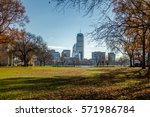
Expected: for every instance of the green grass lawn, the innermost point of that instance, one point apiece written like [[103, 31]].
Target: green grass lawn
[[74, 83]]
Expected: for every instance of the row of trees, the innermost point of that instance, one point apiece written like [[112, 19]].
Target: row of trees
[[27, 48], [128, 28]]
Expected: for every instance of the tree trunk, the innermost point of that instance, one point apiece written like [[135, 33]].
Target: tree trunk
[[25, 61], [143, 57], [9, 59], [40, 62], [44, 62], [131, 65], [12, 63], [148, 60], [133, 59]]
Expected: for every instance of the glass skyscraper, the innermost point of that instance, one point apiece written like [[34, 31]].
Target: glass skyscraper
[[80, 45], [78, 49]]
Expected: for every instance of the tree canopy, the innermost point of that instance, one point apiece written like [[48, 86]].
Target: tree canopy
[[12, 13]]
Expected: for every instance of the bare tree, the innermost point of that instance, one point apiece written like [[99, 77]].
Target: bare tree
[[43, 54], [25, 48], [86, 6]]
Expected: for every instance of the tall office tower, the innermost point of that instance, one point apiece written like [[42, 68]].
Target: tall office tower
[[80, 45]]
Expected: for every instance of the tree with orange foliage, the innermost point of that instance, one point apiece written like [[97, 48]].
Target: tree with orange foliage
[[12, 13], [134, 15], [12, 37]]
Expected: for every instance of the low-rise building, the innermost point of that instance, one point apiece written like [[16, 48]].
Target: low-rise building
[[111, 58], [56, 56], [66, 53], [98, 57]]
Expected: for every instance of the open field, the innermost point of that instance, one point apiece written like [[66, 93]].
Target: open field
[[74, 83]]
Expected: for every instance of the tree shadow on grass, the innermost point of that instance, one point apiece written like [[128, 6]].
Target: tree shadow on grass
[[118, 84]]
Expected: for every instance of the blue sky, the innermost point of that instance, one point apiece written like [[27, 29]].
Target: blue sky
[[59, 28]]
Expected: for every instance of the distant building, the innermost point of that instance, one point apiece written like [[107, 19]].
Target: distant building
[[75, 54], [74, 51], [111, 58], [80, 45], [66, 53], [55, 55], [95, 55], [98, 57], [65, 56], [78, 48], [52, 51]]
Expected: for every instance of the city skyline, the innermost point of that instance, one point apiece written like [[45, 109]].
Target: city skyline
[[59, 28]]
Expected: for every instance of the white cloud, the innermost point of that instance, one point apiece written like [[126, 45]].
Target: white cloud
[[56, 47]]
